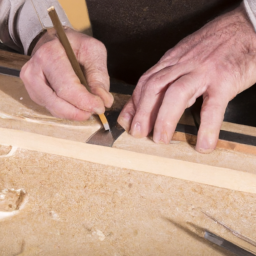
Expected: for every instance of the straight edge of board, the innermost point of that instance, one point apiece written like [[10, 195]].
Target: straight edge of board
[[194, 172]]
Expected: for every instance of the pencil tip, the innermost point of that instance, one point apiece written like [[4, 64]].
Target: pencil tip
[[106, 126]]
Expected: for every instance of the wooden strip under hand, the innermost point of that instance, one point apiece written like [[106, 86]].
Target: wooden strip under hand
[[204, 174], [223, 144], [71, 55]]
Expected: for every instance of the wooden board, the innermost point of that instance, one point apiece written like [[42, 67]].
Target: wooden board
[[17, 111], [76, 207]]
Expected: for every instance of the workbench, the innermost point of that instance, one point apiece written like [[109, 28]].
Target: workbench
[[62, 196]]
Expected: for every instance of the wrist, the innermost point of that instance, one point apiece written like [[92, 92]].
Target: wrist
[[45, 37]]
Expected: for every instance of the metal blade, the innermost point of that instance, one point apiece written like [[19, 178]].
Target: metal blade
[[107, 138], [9, 71], [226, 244]]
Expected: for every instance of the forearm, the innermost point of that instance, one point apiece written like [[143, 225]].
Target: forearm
[[21, 21]]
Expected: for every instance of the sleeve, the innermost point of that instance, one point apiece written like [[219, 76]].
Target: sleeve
[[21, 21], [250, 7]]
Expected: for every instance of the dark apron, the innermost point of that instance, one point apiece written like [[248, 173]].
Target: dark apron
[[138, 32]]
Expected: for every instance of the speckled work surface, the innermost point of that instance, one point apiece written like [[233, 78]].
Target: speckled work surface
[[74, 207], [56, 205]]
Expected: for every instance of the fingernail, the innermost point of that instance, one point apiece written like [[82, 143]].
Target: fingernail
[[136, 130], [157, 137], [161, 138], [206, 144], [98, 111], [125, 121]]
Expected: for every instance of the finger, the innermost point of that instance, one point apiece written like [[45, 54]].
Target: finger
[[40, 92], [148, 98], [170, 58], [176, 100], [156, 82], [63, 80], [95, 69], [161, 65], [212, 115], [126, 116], [97, 84]]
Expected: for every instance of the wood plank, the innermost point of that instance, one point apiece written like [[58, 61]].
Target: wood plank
[[76, 207], [214, 176], [18, 111], [12, 60]]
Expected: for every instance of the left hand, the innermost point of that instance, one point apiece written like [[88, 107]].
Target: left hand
[[218, 62]]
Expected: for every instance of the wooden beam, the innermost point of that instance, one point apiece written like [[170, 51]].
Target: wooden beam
[[210, 175]]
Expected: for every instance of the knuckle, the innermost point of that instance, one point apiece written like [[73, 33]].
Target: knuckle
[[92, 44], [84, 103], [24, 72], [170, 53], [61, 92], [99, 45], [76, 115], [97, 76], [65, 91], [130, 109], [142, 80], [41, 53], [142, 114], [183, 90], [48, 51], [154, 85]]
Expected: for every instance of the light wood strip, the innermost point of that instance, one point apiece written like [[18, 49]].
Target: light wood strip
[[210, 175]]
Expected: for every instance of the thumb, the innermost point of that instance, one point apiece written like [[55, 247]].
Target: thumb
[[98, 82]]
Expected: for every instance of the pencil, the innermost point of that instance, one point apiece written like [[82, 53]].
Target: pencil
[[71, 56]]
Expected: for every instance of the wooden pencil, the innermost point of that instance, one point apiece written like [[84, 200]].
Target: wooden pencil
[[71, 56]]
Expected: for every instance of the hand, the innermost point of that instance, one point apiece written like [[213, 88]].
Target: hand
[[218, 62], [52, 83]]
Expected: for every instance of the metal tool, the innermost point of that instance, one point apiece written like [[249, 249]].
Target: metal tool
[[224, 135], [107, 138], [9, 71], [226, 244], [235, 233]]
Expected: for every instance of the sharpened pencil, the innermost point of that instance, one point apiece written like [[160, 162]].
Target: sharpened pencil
[[71, 56]]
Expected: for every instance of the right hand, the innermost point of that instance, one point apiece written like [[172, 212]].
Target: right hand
[[51, 82]]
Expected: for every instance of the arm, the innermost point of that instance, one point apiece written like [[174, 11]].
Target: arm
[[20, 24], [218, 62]]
